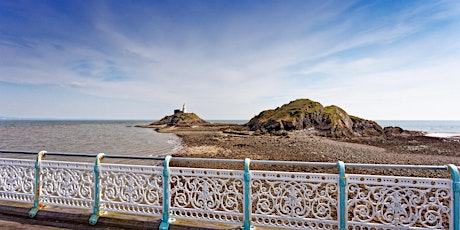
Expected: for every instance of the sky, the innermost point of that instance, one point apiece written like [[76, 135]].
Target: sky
[[94, 59]]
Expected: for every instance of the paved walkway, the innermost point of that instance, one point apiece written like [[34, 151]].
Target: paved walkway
[[15, 216]]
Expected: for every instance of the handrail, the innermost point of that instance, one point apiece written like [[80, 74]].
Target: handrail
[[222, 160], [87, 155], [395, 166], [295, 163], [17, 152], [312, 164], [216, 160]]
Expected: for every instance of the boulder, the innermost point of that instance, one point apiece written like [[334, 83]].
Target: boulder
[[391, 131]]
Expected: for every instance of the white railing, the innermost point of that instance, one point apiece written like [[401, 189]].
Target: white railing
[[207, 194], [131, 189], [399, 201], [17, 178], [294, 200]]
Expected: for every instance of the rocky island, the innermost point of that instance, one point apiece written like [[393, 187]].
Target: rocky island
[[181, 119], [305, 130], [331, 121]]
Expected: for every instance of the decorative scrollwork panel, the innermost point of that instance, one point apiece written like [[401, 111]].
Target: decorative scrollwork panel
[[132, 189], [67, 184], [209, 194], [17, 178], [399, 202], [294, 200]]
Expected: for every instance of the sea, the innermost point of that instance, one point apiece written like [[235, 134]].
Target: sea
[[116, 137], [438, 128], [121, 137]]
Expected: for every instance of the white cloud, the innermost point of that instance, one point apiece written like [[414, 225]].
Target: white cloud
[[250, 59], [77, 84]]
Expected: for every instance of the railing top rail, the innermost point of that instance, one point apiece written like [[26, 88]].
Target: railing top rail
[[315, 164], [216, 160], [136, 157], [87, 155], [295, 163], [395, 166], [18, 152], [266, 162]]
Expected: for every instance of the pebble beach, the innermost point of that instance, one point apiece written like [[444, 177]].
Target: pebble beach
[[214, 142]]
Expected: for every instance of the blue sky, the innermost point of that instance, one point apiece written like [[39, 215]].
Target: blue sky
[[228, 59]]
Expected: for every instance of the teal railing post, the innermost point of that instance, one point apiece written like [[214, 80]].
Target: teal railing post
[[247, 195], [164, 225], [342, 195], [96, 213], [37, 206], [456, 189]]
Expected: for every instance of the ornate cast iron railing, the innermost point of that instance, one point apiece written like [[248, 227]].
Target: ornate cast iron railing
[[295, 200]]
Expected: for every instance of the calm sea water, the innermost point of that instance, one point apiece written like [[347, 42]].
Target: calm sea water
[[436, 128], [110, 137]]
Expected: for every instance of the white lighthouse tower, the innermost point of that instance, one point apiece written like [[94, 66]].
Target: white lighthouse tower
[[184, 108]]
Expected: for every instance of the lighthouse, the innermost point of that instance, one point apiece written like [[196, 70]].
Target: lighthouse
[[184, 109]]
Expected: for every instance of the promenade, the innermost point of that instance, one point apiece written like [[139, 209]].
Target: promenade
[[15, 216]]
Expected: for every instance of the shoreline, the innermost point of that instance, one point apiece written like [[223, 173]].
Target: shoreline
[[443, 135]]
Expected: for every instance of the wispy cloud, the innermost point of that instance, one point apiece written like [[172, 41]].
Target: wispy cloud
[[243, 56]]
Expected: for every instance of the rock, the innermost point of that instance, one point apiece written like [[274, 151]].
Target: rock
[[181, 119], [366, 128], [302, 114], [393, 131], [237, 132], [398, 131]]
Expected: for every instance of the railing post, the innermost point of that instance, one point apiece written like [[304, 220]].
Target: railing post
[[456, 189], [342, 195], [37, 206], [164, 225], [247, 195], [96, 213]]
